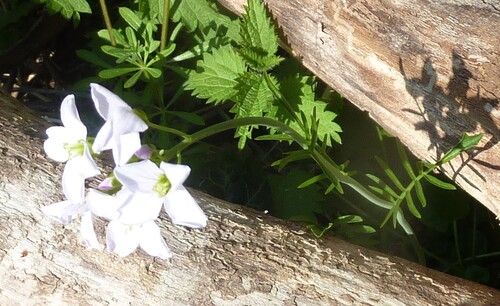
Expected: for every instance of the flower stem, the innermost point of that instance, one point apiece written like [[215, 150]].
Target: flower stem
[[107, 21], [164, 24]]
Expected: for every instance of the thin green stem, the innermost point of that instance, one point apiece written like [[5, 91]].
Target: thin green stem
[[164, 24], [232, 124], [107, 21]]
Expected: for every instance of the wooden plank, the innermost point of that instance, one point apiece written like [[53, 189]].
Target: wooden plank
[[243, 257], [426, 71]]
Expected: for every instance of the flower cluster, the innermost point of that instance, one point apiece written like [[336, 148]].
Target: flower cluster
[[143, 186]]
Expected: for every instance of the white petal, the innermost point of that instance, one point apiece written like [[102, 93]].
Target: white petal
[[176, 174], [183, 209], [87, 231], [125, 121], [64, 211], [71, 119], [103, 205], [72, 182], [125, 146], [140, 208], [105, 101], [104, 138], [122, 239], [54, 146], [141, 176], [86, 164], [152, 242]]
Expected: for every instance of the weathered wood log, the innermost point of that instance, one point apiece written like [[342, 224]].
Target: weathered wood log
[[242, 258], [426, 71]]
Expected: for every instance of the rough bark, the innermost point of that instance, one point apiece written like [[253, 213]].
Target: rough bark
[[427, 71], [242, 258]]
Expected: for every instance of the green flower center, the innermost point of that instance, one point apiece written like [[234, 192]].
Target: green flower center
[[75, 149], [162, 187]]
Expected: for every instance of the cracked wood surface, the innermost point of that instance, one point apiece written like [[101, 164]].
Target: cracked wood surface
[[243, 257], [426, 71]]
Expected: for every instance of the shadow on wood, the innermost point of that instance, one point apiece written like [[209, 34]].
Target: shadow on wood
[[425, 71]]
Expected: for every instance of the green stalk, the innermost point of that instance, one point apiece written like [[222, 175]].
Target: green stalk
[[232, 124], [107, 21], [164, 24]]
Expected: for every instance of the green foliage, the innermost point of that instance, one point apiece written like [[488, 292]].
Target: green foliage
[[239, 75], [68, 8], [405, 194]]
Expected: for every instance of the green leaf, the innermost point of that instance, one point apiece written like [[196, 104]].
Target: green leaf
[[313, 180], [257, 31], [133, 79], [390, 174], [115, 72], [215, 76], [130, 17], [405, 161], [275, 137], [68, 8], [467, 142], [420, 194], [439, 183], [411, 205], [319, 231], [298, 91], [202, 15], [252, 99], [292, 156]]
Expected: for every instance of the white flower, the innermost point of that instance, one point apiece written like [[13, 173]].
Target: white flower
[[66, 211], [123, 239], [68, 143], [151, 187], [121, 130]]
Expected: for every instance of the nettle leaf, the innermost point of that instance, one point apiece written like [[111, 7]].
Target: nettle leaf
[[257, 31], [299, 92], [68, 8], [252, 99], [200, 14], [215, 76]]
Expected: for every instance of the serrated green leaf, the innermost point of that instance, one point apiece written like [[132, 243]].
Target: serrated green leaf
[[260, 62], [252, 99], [439, 183], [411, 205], [215, 78], [202, 15], [299, 93], [420, 194], [257, 31]]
